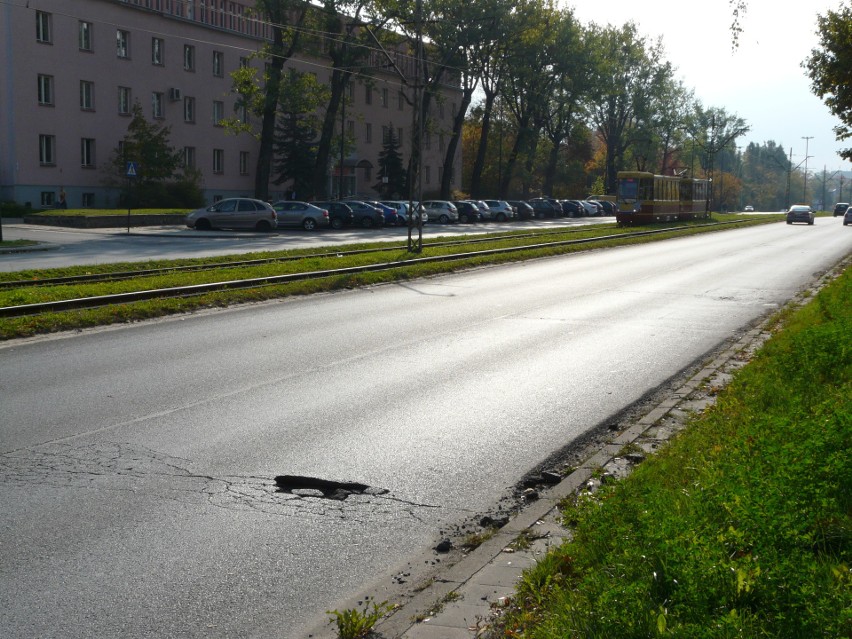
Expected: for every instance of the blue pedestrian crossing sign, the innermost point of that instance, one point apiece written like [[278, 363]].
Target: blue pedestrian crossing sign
[[132, 169]]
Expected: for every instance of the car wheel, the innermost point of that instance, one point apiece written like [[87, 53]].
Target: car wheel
[[203, 224], [336, 223], [810, 223], [539, 215], [263, 226], [501, 217], [463, 218], [366, 222], [444, 219], [789, 222], [309, 224]]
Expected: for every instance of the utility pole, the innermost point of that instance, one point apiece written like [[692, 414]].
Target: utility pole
[[806, 139]]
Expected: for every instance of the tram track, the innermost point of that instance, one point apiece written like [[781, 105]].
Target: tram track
[[89, 302]]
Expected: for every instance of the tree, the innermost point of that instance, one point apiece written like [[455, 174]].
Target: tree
[[393, 181], [296, 131], [259, 95], [161, 180], [830, 69]]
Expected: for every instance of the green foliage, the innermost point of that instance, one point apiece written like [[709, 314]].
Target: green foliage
[[742, 527], [830, 69], [392, 168], [161, 180], [355, 624]]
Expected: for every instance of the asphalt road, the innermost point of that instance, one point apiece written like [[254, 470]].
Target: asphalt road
[[138, 464]]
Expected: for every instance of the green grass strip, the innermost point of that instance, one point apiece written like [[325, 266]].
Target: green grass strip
[[49, 322], [741, 527]]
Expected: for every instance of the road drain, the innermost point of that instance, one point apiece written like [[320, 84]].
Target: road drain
[[324, 488]]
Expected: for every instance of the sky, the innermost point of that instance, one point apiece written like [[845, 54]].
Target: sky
[[761, 81]]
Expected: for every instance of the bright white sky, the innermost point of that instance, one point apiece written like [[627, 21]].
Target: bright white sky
[[762, 81]]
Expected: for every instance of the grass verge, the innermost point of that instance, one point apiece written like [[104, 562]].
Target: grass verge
[[740, 527], [16, 327]]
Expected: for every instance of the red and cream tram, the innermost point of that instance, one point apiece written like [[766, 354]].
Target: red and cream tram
[[644, 198]]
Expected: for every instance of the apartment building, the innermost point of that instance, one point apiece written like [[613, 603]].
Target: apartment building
[[71, 70]]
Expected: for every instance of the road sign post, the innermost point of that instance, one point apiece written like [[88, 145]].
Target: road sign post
[[131, 172]]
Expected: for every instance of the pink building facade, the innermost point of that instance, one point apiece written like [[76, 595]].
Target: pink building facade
[[71, 70]]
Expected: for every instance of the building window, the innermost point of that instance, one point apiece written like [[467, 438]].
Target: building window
[[87, 95], [244, 114], [243, 62], [86, 41], [157, 46], [188, 57], [157, 105], [386, 134], [87, 153], [88, 200], [218, 160], [368, 94], [400, 101], [189, 157], [124, 100], [350, 129], [427, 174], [350, 91], [441, 142], [427, 140], [399, 136], [48, 198], [122, 43], [45, 89], [218, 64], [385, 98], [368, 133], [189, 109], [218, 112], [47, 150], [244, 162], [43, 30]]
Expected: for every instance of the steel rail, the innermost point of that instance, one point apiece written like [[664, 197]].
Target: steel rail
[[272, 280]]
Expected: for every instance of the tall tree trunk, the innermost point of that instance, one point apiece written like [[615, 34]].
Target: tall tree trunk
[[455, 139], [339, 80], [479, 162], [520, 143]]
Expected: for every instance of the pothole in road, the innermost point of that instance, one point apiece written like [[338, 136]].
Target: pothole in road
[[323, 488]]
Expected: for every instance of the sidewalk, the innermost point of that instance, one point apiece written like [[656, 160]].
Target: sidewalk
[[462, 601]]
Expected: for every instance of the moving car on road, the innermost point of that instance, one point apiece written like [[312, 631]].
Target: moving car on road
[[840, 208], [800, 213]]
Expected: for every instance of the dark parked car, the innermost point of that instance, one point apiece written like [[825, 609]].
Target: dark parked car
[[301, 214], [544, 208], [234, 213], [391, 216], [366, 215], [339, 213], [609, 208], [468, 211], [847, 217], [572, 208], [525, 211], [840, 208]]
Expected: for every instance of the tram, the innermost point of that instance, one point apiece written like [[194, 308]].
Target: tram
[[644, 198]]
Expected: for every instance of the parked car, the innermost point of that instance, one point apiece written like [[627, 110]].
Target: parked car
[[591, 207], [340, 214], [391, 217], [572, 208], [501, 210], [301, 214], [401, 207], [467, 210], [840, 208], [525, 211], [543, 207], [234, 213], [800, 213], [609, 208], [847, 217], [366, 215], [441, 211]]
